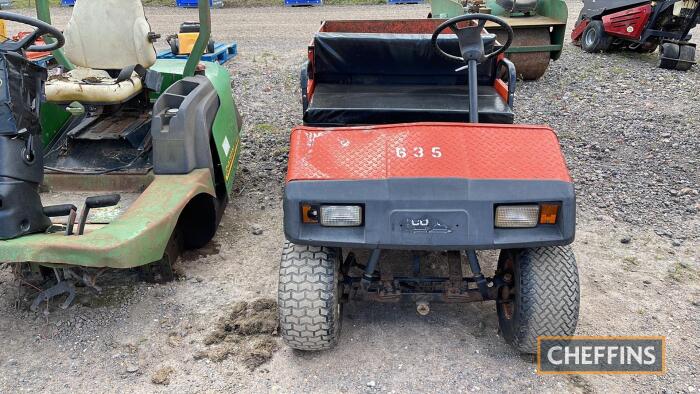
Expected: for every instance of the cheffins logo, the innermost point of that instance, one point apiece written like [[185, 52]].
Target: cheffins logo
[[601, 355]]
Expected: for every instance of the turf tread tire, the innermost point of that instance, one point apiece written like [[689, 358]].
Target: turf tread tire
[[547, 296], [602, 42], [686, 53], [668, 55], [308, 297]]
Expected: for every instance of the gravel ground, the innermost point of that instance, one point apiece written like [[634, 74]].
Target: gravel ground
[[629, 134]]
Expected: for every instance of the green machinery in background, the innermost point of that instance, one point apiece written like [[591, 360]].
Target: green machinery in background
[[134, 158], [539, 26]]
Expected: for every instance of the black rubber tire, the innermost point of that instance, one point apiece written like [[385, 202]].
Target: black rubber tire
[[161, 271], [687, 52], [211, 46], [545, 300], [594, 38], [174, 45], [200, 220], [308, 297], [670, 52]]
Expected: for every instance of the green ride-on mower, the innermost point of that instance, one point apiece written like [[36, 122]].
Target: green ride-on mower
[[407, 164], [118, 160], [539, 27]]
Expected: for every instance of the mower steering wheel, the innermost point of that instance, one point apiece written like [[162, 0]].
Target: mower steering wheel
[[470, 39], [26, 43]]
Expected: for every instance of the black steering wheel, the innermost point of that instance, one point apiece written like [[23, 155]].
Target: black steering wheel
[[470, 39], [26, 43]]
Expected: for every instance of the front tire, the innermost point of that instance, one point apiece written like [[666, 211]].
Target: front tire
[[686, 57], [543, 298], [174, 46], [162, 271], [594, 38], [308, 297], [668, 55]]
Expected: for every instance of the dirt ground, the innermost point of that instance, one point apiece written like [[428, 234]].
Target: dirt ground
[[213, 329]]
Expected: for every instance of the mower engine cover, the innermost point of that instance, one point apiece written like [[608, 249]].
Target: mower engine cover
[[594, 9], [21, 156], [426, 185], [183, 42]]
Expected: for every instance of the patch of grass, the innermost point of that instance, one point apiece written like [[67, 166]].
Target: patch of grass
[[618, 70], [281, 151], [630, 263], [631, 260], [162, 376], [680, 272], [55, 3], [264, 128], [265, 57], [291, 83], [353, 2], [268, 3], [227, 3], [158, 2], [31, 3], [251, 3]]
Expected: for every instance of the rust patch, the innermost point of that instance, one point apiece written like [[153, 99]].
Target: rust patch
[[136, 238], [530, 65], [131, 183]]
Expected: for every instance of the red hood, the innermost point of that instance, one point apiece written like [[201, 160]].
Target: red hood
[[426, 150]]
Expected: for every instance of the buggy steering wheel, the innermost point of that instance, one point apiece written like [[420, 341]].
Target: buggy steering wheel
[[26, 43], [470, 39]]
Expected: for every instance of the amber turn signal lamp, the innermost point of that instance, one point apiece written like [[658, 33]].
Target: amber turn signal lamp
[[309, 214], [549, 213]]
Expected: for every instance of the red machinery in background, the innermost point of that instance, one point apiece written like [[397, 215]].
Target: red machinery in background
[[640, 25]]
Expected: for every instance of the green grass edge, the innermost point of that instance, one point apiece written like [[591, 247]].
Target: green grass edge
[[19, 4]]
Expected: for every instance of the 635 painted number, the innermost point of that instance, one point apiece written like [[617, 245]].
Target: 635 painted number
[[418, 152]]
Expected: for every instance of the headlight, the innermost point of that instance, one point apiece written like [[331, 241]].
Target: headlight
[[517, 216], [341, 215]]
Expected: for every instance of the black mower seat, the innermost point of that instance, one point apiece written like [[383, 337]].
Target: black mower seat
[[340, 104]]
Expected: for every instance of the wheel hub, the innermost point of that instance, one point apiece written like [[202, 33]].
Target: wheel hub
[[590, 37]]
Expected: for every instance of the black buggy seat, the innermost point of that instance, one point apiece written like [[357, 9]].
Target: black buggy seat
[[367, 78]]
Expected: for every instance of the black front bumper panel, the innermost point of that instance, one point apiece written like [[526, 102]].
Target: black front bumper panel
[[429, 214]]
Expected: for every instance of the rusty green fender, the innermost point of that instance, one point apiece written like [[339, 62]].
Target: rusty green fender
[[137, 237]]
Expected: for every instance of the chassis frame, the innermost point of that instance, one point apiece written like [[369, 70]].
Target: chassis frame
[[386, 287]]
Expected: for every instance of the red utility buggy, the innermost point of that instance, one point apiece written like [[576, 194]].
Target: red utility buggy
[[408, 144]]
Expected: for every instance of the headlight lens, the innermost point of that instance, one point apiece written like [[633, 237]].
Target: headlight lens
[[341, 215], [517, 216]]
